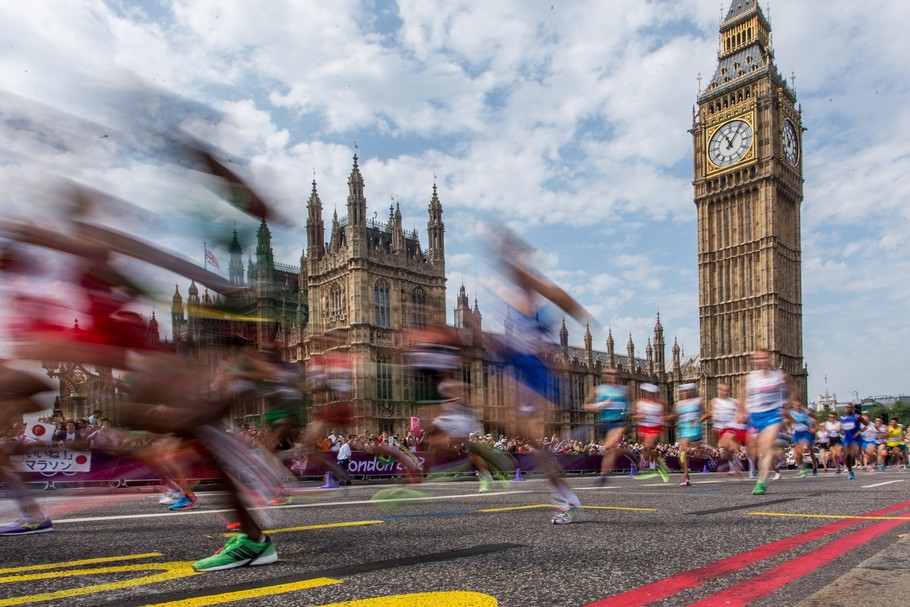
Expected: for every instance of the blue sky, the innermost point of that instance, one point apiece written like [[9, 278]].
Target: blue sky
[[568, 120]]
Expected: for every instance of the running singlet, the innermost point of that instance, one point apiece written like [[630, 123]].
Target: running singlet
[[613, 402], [850, 425], [870, 434], [528, 332], [689, 411], [821, 437], [833, 429], [893, 436], [652, 413], [801, 420], [765, 391], [723, 414]]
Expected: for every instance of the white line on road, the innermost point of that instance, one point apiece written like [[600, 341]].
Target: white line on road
[[881, 484], [117, 517]]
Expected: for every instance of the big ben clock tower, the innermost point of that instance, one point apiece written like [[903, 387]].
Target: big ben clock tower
[[748, 190]]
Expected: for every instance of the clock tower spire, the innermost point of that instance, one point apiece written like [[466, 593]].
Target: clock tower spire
[[747, 137]]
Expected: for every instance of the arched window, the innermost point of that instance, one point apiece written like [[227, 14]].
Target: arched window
[[382, 316], [418, 309], [383, 377], [338, 311]]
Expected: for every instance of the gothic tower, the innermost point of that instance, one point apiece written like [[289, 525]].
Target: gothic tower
[[747, 136], [235, 266]]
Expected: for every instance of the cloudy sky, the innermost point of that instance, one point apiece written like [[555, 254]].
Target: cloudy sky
[[568, 120]]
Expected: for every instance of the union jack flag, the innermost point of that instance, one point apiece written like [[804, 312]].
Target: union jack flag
[[211, 259]]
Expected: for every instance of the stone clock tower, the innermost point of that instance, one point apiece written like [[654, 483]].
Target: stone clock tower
[[747, 135]]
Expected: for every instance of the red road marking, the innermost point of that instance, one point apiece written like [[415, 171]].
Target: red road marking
[[769, 581], [695, 577]]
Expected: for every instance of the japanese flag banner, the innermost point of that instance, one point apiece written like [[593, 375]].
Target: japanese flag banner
[[40, 431], [51, 460]]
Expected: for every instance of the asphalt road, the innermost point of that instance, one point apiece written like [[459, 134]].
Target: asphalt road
[[640, 541]]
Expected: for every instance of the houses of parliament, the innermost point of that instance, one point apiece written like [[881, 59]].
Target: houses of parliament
[[361, 284]]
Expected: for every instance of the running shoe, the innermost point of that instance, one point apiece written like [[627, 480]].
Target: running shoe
[[281, 500], [567, 515], [185, 503], [486, 484], [26, 526], [170, 498], [663, 471], [803, 473], [239, 551], [232, 527], [393, 498], [685, 483], [850, 475], [838, 471], [600, 481], [776, 476], [814, 471], [759, 488]]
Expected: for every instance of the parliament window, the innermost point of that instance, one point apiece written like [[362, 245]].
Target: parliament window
[[418, 309], [383, 378], [382, 316]]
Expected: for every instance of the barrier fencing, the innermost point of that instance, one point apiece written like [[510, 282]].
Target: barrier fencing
[[54, 466]]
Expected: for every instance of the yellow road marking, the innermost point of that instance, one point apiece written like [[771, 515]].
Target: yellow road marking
[[618, 508], [170, 571], [517, 508], [327, 526], [238, 595], [104, 559], [311, 527], [840, 516], [425, 599]]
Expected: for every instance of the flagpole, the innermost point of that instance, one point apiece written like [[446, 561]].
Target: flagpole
[[205, 259]]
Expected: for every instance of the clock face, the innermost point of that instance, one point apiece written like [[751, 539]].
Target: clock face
[[789, 142], [730, 143]]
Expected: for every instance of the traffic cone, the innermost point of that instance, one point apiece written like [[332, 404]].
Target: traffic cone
[[518, 476], [632, 469], [705, 469], [329, 482]]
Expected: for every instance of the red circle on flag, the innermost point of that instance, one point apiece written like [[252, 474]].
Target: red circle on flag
[[81, 459], [38, 430]]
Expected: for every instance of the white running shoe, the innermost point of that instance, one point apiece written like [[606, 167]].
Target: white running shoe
[[569, 515], [776, 476], [170, 498]]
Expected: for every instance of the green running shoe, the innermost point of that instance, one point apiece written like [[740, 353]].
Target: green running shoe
[[239, 551], [393, 499], [663, 470], [759, 488]]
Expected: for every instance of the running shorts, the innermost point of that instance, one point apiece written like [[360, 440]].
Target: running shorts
[[764, 419]]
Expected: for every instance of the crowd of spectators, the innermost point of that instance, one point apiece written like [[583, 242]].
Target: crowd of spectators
[[95, 432], [77, 434]]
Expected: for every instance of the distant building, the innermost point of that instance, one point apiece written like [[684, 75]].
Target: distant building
[[887, 400], [826, 401]]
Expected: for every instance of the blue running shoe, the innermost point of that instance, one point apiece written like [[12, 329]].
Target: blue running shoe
[[26, 526], [185, 503]]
